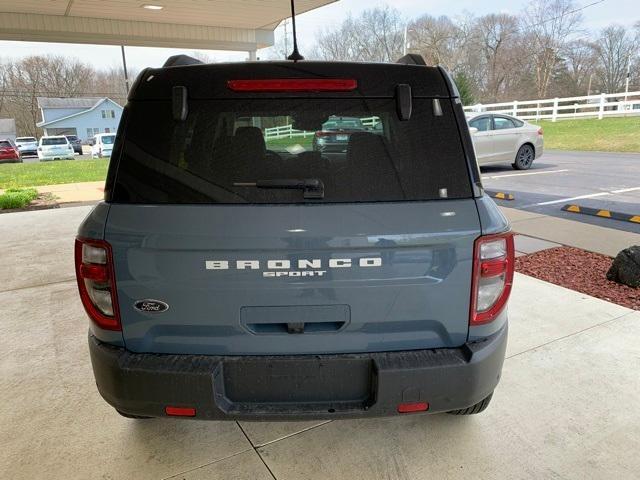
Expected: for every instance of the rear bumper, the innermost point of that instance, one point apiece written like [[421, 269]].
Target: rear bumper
[[66, 156], [298, 386]]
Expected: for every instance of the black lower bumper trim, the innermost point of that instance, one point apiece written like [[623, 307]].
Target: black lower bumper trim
[[298, 386]]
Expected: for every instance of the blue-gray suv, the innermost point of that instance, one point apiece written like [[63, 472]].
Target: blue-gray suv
[[234, 271]]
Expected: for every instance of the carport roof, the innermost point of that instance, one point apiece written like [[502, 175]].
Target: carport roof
[[242, 25]]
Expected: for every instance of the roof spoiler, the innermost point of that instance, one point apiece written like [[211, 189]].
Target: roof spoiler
[[412, 59], [178, 60]]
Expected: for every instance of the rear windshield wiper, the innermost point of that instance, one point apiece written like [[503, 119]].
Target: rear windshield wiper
[[313, 187]]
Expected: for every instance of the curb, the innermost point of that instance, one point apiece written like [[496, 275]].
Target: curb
[[596, 212], [500, 195]]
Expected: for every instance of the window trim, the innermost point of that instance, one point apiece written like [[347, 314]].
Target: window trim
[[480, 117]]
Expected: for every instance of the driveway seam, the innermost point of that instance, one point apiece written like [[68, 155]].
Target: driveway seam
[[571, 334], [72, 279], [207, 464], [255, 449], [292, 434]]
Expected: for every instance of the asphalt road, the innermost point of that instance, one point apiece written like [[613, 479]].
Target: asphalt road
[[602, 180]]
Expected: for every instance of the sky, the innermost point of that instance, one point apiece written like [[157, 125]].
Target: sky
[[624, 12]]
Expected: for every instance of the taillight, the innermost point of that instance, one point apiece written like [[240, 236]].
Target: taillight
[[96, 282], [492, 277], [294, 85], [540, 132], [323, 134]]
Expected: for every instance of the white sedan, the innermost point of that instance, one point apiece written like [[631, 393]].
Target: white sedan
[[499, 138]]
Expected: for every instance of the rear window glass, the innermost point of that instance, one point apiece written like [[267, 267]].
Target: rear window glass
[[25, 139], [54, 141], [501, 123], [5, 144], [357, 149], [108, 140]]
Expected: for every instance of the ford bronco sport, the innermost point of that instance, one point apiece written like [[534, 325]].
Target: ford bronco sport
[[235, 272]]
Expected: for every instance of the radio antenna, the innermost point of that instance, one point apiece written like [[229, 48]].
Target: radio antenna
[[295, 55]]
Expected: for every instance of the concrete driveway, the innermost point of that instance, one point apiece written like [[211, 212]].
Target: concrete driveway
[[566, 406]]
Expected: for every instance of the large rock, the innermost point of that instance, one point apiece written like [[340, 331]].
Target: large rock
[[626, 267]]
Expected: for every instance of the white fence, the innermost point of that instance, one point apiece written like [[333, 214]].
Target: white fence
[[595, 106], [287, 131]]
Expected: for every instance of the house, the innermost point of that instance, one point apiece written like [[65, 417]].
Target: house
[[84, 117], [8, 128]]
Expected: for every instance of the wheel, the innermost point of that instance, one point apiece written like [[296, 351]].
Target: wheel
[[524, 158], [473, 409], [135, 417]]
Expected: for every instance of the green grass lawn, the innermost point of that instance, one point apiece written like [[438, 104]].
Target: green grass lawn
[[16, 175], [620, 134], [282, 143]]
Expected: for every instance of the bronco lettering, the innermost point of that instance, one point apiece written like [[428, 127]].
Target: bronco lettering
[[302, 264]]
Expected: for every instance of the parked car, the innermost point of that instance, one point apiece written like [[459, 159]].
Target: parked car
[[499, 138], [335, 133], [102, 144], [227, 281], [9, 152], [27, 145], [76, 143], [55, 147]]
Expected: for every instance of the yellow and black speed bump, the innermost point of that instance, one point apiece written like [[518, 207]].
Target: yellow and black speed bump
[[596, 212], [500, 195]]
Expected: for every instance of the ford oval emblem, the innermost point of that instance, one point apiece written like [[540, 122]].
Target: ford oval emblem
[[151, 306]]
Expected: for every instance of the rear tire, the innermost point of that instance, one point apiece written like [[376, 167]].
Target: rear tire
[[524, 158], [135, 417], [481, 406]]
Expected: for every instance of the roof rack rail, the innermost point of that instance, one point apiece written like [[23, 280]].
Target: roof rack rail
[[412, 59], [178, 60]]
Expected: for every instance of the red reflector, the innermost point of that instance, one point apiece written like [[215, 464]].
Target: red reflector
[[97, 273], [413, 407], [294, 85], [540, 131], [180, 411]]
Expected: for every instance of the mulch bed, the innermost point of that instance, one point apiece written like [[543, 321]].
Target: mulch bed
[[43, 202], [579, 270]]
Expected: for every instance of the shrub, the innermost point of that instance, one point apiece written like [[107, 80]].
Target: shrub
[[17, 197]]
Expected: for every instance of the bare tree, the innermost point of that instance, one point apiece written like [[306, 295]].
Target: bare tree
[[376, 36], [579, 63], [4, 84], [548, 26], [617, 51], [23, 81], [496, 39], [439, 40]]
